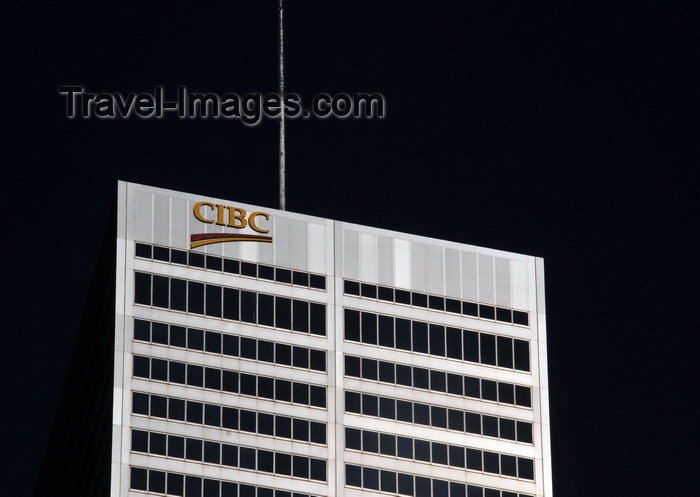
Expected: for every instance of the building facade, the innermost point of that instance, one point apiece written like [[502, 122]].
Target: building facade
[[262, 353]]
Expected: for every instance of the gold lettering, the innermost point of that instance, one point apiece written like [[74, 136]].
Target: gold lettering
[[197, 211], [237, 214], [220, 215], [252, 223]]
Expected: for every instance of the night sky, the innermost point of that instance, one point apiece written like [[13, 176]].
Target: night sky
[[565, 132]]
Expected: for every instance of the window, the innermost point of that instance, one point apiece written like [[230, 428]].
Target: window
[[228, 303]]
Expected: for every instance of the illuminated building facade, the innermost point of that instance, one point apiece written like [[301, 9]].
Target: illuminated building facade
[[243, 351]]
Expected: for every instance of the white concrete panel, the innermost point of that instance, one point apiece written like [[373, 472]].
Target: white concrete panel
[[142, 217], [249, 251], [436, 283], [317, 248], [452, 273], [368, 258], [502, 268], [469, 276], [419, 280], [266, 253], [300, 245], [519, 284], [351, 254], [282, 240], [402, 263], [179, 226], [486, 293], [161, 220]]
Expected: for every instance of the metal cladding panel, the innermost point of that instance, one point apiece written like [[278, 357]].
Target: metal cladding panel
[[385, 260], [418, 267], [436, 284], [350, 258], [167, 218], [452, 270], [502, 266], [437, 267], [368, 257], [161, 211], [469, 278], [300, 245], [485, 277]]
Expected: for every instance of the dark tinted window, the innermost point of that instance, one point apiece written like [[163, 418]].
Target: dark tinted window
[[140, 403], [317, 324], [213, 342], [505, 352], [471, 346], [283, 313], [266, 272], [488, 349], [195, 339], [283, 354], [231, 304], [283, 275], [266, 351], [369, 291], [403, 334], [248, 384], [300, 316], [439, 453], [369, 328], [437, 340], [195, 297], [142, 288], [159, 406], [369, 405], [144, 251], [351, 287], [249, 307], [522, 355], [283, 427], [178, 256], [487, 312], [213, 301], [299, 278], [214, 263], [142, 330], [420, 337], [266, 310]]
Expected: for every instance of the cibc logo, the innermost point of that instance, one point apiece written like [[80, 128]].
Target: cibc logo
[[230, 217]]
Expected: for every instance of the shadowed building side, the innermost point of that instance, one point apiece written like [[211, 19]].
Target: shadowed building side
[[77, 458]]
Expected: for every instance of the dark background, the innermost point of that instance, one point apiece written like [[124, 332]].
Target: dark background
[[565, 132]]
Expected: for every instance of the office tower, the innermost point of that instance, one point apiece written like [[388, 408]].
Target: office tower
[[235, 350]]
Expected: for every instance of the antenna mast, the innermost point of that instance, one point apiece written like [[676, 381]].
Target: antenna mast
[[282, 151]]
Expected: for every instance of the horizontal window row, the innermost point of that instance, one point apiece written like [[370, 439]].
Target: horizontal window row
[[229, 418], [230, 345], [161, 482], [414, 485], [229, 303], [234, 456], [438, 340], [195, 375], [436, 303], [231, 266], [438, 417], [439, 453], [438, 381]]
